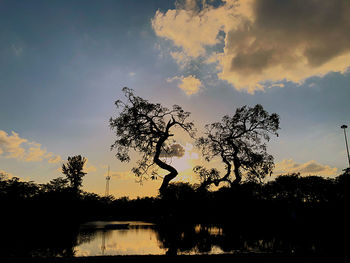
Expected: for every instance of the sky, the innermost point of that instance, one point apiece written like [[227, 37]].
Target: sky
[[63, 65]]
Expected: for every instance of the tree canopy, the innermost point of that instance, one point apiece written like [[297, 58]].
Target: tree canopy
[[145, 127], [240, 141], [73, 170]]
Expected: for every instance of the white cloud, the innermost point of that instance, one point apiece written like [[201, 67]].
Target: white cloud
[[264, 41], [14, 147], [189, 32], [309, 168], [190, 84]]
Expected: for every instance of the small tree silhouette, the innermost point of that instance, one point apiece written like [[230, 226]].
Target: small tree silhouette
[[74, 171]]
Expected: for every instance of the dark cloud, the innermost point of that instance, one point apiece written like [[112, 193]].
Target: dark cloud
[[284, 32], [174, 150]]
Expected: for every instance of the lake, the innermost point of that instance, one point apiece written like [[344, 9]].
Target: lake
[[139, 238], [143, 238]]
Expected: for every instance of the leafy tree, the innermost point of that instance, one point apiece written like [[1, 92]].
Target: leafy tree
[[240, 141], [16, 189], [56, 185], [74, 171], [145, 127]]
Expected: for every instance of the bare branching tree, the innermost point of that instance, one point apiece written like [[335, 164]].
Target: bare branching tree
[[145, 127], [240, 141]]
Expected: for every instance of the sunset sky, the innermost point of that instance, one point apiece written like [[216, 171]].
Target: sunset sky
[[63, 64]]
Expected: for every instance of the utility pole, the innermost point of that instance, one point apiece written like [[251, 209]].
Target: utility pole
[[107, 183], [346, 142]]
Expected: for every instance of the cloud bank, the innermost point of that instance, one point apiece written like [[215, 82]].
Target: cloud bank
[[309, 168], [264, 41], [14, 147]]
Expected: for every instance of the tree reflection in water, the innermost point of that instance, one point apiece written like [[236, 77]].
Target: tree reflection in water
[[28, 240], [63, 240], [203, 239]]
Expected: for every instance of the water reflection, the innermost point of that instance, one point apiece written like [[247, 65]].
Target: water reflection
[[187, 239], [140, 238]]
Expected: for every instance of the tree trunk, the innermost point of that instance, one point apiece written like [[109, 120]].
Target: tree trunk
[[237, 172], [172, 171]]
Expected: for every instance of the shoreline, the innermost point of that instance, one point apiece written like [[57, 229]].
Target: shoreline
[[237, 258]]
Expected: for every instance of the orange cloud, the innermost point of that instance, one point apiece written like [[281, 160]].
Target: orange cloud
[[13, 146], [309, 168], [190, 84]]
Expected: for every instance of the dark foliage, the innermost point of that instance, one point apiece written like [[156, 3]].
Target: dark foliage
[[73, 170], [145, 127], [292, 214], [239, 140]]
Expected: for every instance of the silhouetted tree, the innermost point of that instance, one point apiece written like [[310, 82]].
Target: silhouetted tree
[[19, 190], [206, 175], [74, 171], [240, 142], [56, 185], [145, 127], [343, 182]]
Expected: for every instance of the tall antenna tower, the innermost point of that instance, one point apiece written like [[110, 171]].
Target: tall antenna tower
[[107, 183]]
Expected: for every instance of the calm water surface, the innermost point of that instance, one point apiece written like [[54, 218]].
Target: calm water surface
[[139, 238]]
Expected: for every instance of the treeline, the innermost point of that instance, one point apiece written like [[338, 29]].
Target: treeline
[[61, 200], [291, 213], [288, 195], [287, 199]]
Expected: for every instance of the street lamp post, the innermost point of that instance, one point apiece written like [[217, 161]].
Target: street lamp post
[[346, 142]]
